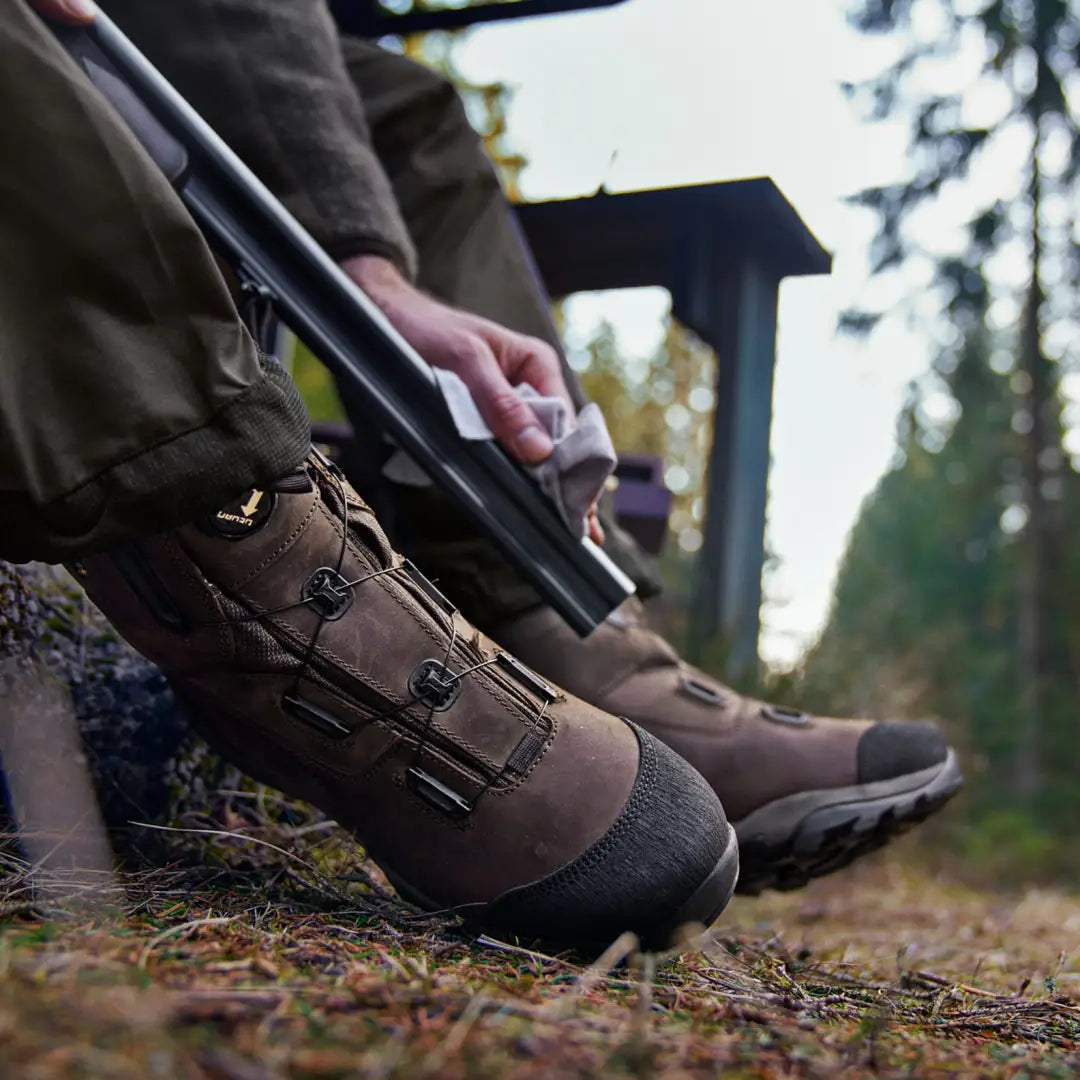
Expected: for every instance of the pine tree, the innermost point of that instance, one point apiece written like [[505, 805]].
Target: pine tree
[[1018, 164]]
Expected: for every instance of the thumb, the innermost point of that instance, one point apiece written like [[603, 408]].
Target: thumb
[[71, 11], [512, 422]]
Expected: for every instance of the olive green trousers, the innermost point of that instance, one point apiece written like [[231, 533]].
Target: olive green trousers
[[131, 397]]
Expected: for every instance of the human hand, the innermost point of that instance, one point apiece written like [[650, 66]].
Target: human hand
[[488, 358], [78, 12]]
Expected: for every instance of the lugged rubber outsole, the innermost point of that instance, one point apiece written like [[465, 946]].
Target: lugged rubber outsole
[[787, 843]]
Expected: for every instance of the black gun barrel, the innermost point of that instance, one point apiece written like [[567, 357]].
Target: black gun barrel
[[341, 326]]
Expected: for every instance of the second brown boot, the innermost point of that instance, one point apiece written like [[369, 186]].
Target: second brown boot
[[319, 661], [805, 794]]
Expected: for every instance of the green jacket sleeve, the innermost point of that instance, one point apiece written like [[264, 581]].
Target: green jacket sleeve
[[269, 77]]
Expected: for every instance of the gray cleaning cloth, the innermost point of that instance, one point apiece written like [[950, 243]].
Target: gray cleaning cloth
[[572, 477]]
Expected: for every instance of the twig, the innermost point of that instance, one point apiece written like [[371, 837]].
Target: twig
[[186, 927]]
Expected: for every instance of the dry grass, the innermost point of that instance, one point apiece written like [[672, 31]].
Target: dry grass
[[270, 950]]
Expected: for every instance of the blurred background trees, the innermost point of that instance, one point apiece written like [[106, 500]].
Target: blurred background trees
[[959, 582]]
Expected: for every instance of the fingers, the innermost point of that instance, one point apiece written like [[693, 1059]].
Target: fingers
[[539, 367], [487, 357], [529, 360], [593, 526], [511, 420], [69, 11]]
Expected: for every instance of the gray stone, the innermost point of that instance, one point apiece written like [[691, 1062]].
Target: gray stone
[[146, 763]]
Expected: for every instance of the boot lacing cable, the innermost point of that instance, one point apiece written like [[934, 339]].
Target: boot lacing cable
[[451, 629]]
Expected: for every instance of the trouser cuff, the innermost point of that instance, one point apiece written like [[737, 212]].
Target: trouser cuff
[[260, 434]]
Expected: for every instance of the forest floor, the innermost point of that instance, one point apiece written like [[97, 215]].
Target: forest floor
[[254, 962]]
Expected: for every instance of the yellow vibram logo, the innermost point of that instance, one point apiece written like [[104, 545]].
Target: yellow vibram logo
[[252, 504]]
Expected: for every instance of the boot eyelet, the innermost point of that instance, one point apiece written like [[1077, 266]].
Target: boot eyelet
[[692, 688], [438, 794], [779, 715], [434, 685], [526, 676], [328, 593], [315, 716], [428, 587]]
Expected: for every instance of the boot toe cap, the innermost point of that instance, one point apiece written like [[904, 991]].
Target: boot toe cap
[[670, 858], [891, 749]]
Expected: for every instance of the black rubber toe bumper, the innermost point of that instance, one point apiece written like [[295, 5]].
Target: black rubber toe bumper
[[895, 748], [670, 858]]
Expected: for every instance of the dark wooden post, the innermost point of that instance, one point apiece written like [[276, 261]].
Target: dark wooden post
[[727, 598]]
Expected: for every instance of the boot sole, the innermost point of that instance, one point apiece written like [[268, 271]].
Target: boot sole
[[787, 842]]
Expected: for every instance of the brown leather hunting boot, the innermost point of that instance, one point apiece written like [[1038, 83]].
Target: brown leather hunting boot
[[324, 664], [805, 794]]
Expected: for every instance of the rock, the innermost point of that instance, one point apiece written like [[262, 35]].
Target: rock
[[20, 617], [146, 763]]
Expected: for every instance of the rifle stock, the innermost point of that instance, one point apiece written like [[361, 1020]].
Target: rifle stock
[[268, 248]]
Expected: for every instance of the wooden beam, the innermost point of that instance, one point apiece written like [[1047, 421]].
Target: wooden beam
[[368, 18]]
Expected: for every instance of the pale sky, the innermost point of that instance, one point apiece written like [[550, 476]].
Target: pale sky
[[657, 93]]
